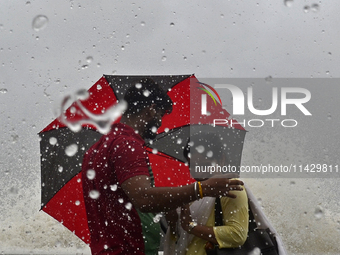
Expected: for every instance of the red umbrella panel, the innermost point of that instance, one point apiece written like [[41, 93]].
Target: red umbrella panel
[[62, 149], [186, 120]]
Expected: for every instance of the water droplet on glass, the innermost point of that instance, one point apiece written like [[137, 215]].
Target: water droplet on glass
[[255, 251], [73, 110], [157, 218], [179, 141], [146, 93], [3, 91], [123, 48], [94, 194], [77, 202], [90, 174], [200, 149], [89, 59], [306, 9], [210, 154], [121, 200], [154, 129], [71, 150], [268, 79], [128, 206], [154, 151], [60, 169], [288, 3], [329, 116], [39, 22], [138, 85], [172, 24], [164, 58], [142, 23], [53, 140], [318, 213], [113, 187], [315, 7], [82, 94]]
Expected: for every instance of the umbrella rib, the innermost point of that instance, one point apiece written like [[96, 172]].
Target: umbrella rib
[[170, 132]]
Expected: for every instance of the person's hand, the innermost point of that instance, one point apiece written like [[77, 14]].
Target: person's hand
[[215, 187], [185, 217], [172, 218]]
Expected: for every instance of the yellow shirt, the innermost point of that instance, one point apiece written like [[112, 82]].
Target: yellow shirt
[[235, 229]]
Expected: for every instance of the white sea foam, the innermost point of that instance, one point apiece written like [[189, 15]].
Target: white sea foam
[[293, 204]]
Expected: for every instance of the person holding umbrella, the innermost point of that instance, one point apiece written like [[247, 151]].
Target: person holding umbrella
[[116, 176]]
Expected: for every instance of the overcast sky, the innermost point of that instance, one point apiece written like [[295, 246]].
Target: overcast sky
[[49, 49]]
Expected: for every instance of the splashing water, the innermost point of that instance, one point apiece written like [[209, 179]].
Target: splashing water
[[101, 121]]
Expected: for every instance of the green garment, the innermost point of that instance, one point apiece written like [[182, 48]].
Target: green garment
[[151, 229], [151, 233]]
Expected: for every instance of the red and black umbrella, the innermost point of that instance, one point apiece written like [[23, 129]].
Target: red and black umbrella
[[62, 149]]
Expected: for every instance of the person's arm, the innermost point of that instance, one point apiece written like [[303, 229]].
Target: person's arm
[[172, 219], [235, 217], [157, 199]]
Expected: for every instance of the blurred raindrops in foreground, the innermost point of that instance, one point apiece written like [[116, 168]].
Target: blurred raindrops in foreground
[[101, 121]]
